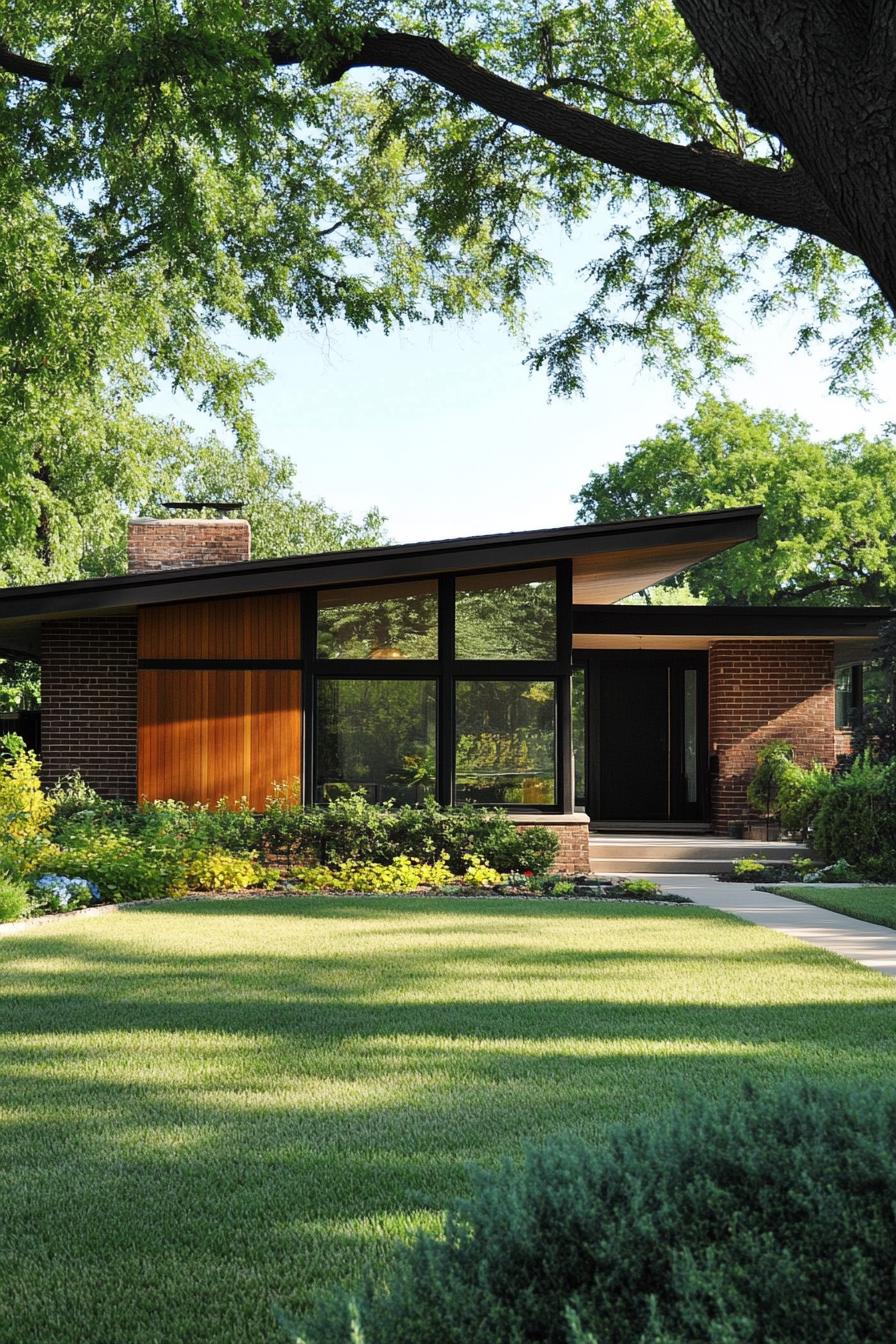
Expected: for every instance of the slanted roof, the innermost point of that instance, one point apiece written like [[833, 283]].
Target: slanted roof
[[610, 561]]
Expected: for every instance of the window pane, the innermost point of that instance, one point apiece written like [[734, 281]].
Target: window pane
[[578, 732], [506, 742], [843, 697], [506, 615], [389, 621], [689, 733], [377, 736]]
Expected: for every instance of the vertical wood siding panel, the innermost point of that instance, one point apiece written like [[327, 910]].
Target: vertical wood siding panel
[[230, 627]]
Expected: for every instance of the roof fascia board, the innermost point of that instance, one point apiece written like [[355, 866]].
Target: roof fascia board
[[796, 622], [126, 591]]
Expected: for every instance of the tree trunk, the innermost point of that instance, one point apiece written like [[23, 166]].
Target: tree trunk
[[821, 76]]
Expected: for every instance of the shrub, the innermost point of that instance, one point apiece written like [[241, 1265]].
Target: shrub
[[764, 1216], [13, 900], [76, 801], [230, 826], [399, 874], [55, 892], [24, 807], [351, 828], [748, 868], [764, 789], [639, 886], [123, 867], [477, 872], [801, 793], [219, 870], [857, 819], [288, 830]]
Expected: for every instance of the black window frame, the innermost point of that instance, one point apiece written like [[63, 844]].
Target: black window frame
[[856, 695], [447, 670]]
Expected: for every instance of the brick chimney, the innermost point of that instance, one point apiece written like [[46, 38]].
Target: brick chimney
[[181, 543]]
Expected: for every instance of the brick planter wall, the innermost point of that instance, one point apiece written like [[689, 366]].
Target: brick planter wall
[[89, 702], [760, 691], [572, 832]]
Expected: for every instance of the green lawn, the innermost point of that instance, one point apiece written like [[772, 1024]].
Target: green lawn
[[209, 1105], [875, 903]]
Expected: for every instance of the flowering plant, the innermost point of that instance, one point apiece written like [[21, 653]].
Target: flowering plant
[[56, 892]]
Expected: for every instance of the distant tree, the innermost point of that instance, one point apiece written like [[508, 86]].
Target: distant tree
[[828, 534]]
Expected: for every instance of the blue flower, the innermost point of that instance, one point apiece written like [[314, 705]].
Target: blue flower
[[59, 892]]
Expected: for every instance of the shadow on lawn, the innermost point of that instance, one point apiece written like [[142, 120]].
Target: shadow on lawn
[[202, 1131]]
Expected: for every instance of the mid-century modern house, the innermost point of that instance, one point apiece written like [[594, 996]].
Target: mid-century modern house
[[497, 670]]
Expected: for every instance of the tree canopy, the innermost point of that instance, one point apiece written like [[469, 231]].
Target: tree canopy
[[828, 533], [183, 164]]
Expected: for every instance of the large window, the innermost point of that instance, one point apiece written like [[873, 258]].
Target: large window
[[378, 736], [507, 616], [506, 742], [442, 688], [389, 622]]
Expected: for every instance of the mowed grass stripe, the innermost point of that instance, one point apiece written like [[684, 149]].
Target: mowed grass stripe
[[209, 1105]]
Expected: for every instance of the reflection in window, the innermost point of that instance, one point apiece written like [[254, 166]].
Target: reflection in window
[[376, 736], [506, 615], [847, 694], [505, 742], [689, 734], [578, 732], [388, 621]]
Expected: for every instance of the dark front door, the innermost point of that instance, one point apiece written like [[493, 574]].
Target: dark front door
[[646, 736]]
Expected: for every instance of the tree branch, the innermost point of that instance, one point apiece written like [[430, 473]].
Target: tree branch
[[786, 198], [25, 68]]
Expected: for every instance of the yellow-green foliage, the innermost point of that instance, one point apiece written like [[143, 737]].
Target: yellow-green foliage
[[400, 874], [24, 807], [478, 873], [13, 899], [219, 870], [747, 866]]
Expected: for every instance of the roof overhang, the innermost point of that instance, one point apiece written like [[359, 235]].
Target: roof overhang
[[596, 627], [609, 561]]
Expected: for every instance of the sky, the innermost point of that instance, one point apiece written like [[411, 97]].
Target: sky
[[447, 432]]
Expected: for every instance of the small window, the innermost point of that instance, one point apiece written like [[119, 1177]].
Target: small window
[[506, 743], [511, 616], [847, 694], [388, 622]]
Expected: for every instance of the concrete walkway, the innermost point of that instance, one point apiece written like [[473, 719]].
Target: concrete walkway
[[871, 945]]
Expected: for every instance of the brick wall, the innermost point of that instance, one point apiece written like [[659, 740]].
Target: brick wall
[[572, 832], [181, 543], [89, 702], [760, 691]]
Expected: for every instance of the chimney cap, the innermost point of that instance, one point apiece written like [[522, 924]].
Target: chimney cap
[[220, 505]]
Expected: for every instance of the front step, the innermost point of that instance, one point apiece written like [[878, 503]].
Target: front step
[[682, 854]]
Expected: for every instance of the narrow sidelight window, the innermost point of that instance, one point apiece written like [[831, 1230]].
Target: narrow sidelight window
[[847, 694]]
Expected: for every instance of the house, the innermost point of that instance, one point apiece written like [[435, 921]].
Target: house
[[496, 670]]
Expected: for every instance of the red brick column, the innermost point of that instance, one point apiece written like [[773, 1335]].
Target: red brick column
[[89, 702], [571, 831], [761, 691]]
